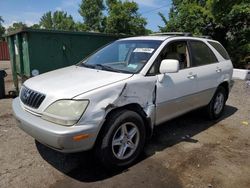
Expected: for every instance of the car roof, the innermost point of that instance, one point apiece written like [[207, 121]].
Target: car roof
[[164, 37], [160, 38]]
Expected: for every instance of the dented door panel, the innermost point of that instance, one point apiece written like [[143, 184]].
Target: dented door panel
[[136, 90], [175, 94]]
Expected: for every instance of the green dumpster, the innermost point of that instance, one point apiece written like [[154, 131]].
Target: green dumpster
[[34, 52]]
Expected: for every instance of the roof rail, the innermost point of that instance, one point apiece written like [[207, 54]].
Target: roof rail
[[173, 33], [206, 37]]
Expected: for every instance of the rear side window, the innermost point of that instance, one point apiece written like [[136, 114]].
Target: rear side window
[[220, 49], [201, 54]]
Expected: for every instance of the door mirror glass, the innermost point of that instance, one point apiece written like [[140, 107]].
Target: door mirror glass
[[169, 66]]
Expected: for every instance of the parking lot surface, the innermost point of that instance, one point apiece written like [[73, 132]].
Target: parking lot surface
[[189, 151]]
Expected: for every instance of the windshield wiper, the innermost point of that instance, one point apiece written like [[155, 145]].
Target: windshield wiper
[[104, 67], [108, 68], [87, 65]]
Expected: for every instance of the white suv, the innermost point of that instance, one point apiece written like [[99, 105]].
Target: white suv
[[112, 100]]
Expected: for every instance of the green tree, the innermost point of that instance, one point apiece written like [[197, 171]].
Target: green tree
[[92, 14], [59, 20], [225, 20], [124, 18], [36, 26], [16, 26], [2, 29], [80, 26], [46, 21], [232, 21], [188, 16]]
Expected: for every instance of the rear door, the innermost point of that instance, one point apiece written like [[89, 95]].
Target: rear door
[[208, 71], [225, 65]]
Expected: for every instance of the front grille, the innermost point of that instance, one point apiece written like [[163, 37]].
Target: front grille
[[31, 98]]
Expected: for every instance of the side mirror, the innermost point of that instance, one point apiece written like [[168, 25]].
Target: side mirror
[[169, 66]]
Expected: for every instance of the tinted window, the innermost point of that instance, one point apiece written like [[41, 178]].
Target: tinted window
[[201, 54], [220, 49]]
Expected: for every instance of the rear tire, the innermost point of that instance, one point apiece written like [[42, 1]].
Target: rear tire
[[122, 139], [216, 106]]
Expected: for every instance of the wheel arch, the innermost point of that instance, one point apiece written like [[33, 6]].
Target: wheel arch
[[225, 85], [132, 107]]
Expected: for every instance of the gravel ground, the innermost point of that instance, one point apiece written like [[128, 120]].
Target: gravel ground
[[186, 152]]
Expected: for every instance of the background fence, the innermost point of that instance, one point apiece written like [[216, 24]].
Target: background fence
[[4, 51]]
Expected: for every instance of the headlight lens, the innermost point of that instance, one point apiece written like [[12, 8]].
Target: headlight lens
[[65, 112]]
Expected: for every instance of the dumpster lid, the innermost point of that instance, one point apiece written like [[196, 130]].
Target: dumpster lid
[[30, 30]]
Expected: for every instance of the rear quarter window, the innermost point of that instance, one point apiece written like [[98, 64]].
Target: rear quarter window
[[220, 49]]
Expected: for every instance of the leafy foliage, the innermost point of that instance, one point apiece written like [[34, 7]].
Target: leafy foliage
[[16, 26], [124, 18], [58, 20], [2, 29], [36, 26], [227, 21], [80, 27], [187, 16], [237, 24], [91, 11], [109, 16]]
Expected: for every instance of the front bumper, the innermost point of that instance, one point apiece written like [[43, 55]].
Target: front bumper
[[53, 135]]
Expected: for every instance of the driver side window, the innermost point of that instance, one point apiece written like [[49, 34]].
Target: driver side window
[[175, 50]]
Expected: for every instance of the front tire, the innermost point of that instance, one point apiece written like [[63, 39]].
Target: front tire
[[216, 106], [122, 139]]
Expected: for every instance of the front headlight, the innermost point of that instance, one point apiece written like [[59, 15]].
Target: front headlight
[[65, 112]]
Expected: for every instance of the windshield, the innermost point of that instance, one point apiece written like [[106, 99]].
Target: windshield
[[127, 56]]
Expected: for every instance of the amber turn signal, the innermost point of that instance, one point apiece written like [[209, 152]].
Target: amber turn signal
[[80, 137]]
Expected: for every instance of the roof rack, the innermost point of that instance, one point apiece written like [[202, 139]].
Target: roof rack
[[206, 37], [173, 33]]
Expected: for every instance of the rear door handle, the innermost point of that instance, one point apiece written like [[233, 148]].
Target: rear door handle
[[192, 76], [218, 69]]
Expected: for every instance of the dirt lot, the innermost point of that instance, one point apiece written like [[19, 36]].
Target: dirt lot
[[186, 152]]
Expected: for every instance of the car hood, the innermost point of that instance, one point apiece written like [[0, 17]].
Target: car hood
[[74, 80]]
